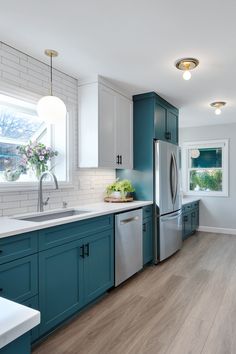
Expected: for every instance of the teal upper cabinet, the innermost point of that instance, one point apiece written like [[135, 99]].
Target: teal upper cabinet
[[166, 120], [154, 118], [164, 116], [172, 127]]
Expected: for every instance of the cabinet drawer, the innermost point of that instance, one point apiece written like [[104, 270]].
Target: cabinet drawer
[[186, 207], [59, 235], [147, 211], [19, 279], [15, 247]]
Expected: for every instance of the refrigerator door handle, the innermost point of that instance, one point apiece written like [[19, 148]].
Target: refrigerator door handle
[[176, 178], [171, 177], [172, 216]]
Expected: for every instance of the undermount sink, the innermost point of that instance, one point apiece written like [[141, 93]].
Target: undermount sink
[[51, 215]]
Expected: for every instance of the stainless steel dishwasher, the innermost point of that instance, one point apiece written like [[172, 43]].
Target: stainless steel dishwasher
[[128, 244]]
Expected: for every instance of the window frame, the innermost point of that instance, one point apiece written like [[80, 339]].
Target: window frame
[[32, 97], [221, 143]]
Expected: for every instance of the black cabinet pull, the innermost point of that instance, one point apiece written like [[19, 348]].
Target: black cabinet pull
[[168, 135], [121, 159], [117, 159], [82, 249], [1, 251], [86, 250], [144, 228], [1, 289]]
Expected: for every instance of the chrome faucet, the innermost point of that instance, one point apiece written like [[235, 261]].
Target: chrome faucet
[[41, 203]]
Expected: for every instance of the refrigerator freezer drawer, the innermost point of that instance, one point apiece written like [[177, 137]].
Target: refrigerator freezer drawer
[[170, 234]]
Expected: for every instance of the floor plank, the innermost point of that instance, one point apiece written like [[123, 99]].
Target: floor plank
[[185, 305]]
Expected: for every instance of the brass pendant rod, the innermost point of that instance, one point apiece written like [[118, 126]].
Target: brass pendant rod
[[51, 75]]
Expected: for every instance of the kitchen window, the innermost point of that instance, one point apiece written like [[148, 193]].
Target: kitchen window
[[20, 126], [205, 168]]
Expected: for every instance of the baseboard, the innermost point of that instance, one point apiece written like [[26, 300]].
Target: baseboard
[[217, 230]]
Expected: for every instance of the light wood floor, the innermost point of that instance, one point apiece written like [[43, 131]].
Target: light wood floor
[[185, 305]]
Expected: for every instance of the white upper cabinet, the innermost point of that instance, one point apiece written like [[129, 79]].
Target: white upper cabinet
[[105, 127]]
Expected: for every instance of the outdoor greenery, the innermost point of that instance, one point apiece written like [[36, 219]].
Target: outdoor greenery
[[206, 180]]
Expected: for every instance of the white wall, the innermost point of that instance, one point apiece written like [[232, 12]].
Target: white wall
[[219, 212], [26, 73]]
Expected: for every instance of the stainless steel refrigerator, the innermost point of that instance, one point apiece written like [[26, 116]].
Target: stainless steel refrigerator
[[167, 199]]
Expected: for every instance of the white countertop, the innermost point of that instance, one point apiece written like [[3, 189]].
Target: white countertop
[[15, 320], [187, 200], [10, 226]]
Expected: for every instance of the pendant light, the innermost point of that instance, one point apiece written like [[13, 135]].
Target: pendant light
[[51, 108], [186, 65]]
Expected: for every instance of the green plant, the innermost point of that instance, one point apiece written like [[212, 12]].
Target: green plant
[[124, 187]]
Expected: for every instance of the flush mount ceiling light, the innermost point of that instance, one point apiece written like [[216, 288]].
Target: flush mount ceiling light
[[51, 108], [218, 105], [186, 65]]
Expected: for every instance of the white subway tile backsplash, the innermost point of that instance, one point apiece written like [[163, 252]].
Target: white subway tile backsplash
[[23, 71]]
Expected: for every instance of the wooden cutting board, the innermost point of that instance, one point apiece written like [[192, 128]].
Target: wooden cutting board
[[117, 200]]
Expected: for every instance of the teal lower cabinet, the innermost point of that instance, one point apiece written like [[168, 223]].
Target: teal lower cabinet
[[58, 270], [147, 240], [72, 275], [60, 283], [19, 279], [190, 219], [98, 265], [34, 304], [20, 345]]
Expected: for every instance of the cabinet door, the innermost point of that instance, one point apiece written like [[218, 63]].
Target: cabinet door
[[160, 122], [106, 135], [34, 304], [147, 240], [194, 220], [187, 225], [98, 264], [60, 282], [124, 133], [19, 279], [172, 127]]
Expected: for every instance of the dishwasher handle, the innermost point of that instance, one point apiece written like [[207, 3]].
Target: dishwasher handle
[[126, 221]]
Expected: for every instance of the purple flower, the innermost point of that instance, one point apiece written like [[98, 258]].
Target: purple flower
[[43, 152]]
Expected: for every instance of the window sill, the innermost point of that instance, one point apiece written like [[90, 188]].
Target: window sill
[[206, 194], [31, 186]]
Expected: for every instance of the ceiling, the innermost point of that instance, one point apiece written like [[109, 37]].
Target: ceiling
[[136, 42]]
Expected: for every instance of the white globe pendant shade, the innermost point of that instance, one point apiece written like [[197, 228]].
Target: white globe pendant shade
[[51, 109]]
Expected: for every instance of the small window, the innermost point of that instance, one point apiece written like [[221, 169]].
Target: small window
[[205, 168], [19, 127]]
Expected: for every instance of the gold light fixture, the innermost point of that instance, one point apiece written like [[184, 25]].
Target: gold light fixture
[[51, 108], [218, 105], [186, 65]]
